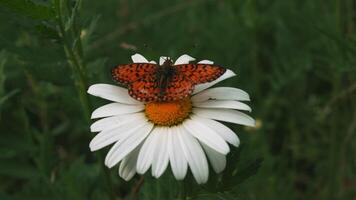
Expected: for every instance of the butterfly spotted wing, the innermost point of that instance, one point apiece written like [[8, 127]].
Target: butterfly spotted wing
[[129, 73], [148, 88], [145, 88], [178, 87], [200, 73], [186, 76]]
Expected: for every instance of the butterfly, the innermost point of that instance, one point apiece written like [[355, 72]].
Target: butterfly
[[150, 82]]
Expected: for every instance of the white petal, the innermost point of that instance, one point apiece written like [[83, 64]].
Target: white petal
[[227, 115], [178, 162], [184, 59], [125, 146], [209, 62], [147, 152], [162, 59], [112, 109], [206, 135], [221, 93], [161, 157], [222, 104], [110, 136], [138, 58], [127, 167], [217, 160], [225, 132], [204, 86], [195, 156], [153, 62], [112, 93], [115, 121]]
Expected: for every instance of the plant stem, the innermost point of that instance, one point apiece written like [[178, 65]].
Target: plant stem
[[136, 188], [107, 177], [80, 81], [158, 189], [182, 192], [75, 63]]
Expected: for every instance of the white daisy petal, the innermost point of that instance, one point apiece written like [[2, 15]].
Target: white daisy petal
[[195, 156], [162, 59], [112, 93], [147, 152], [161, 158], [125, 146], [178, 162], [222, 104], [221, 93], [201, 87], [110, 136], [184, 59], [217, 160], [232, 116], [115, 121], [138, 58], [127, 167], [107, 123], [112, 109], [153, 62], [209, 62], [225, 132], [206, 135]]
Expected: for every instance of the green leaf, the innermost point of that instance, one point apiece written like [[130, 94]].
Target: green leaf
[[7, 96], [28, 8], [241, 175], [48, 32], [3, 95], [87, 34], [74, 13], [3, 60], [17, 169], [249, 171]]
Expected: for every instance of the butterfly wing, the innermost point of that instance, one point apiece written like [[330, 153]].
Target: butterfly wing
[[177, 88], [200, 73], [148, 88], [145, 89], [129, 73]]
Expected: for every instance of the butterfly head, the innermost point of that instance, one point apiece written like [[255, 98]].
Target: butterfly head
[[168, 62]]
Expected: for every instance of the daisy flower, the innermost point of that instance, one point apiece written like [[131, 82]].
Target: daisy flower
[[184, 133]]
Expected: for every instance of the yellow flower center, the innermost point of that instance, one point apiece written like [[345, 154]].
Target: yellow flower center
[[168, 113]]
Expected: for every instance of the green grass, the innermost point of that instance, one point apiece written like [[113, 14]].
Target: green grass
[[296, 59]]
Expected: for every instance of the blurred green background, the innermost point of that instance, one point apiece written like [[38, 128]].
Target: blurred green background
[[296, 59]]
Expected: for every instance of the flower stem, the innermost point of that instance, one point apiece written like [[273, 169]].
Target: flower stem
[[136, 188], [107, 177], [75, 61], [182, 192]]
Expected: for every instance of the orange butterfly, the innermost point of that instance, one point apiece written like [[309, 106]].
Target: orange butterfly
[[167, 82]]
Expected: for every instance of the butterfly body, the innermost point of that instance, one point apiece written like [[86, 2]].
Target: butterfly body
[[167, 82], [164, 75]]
